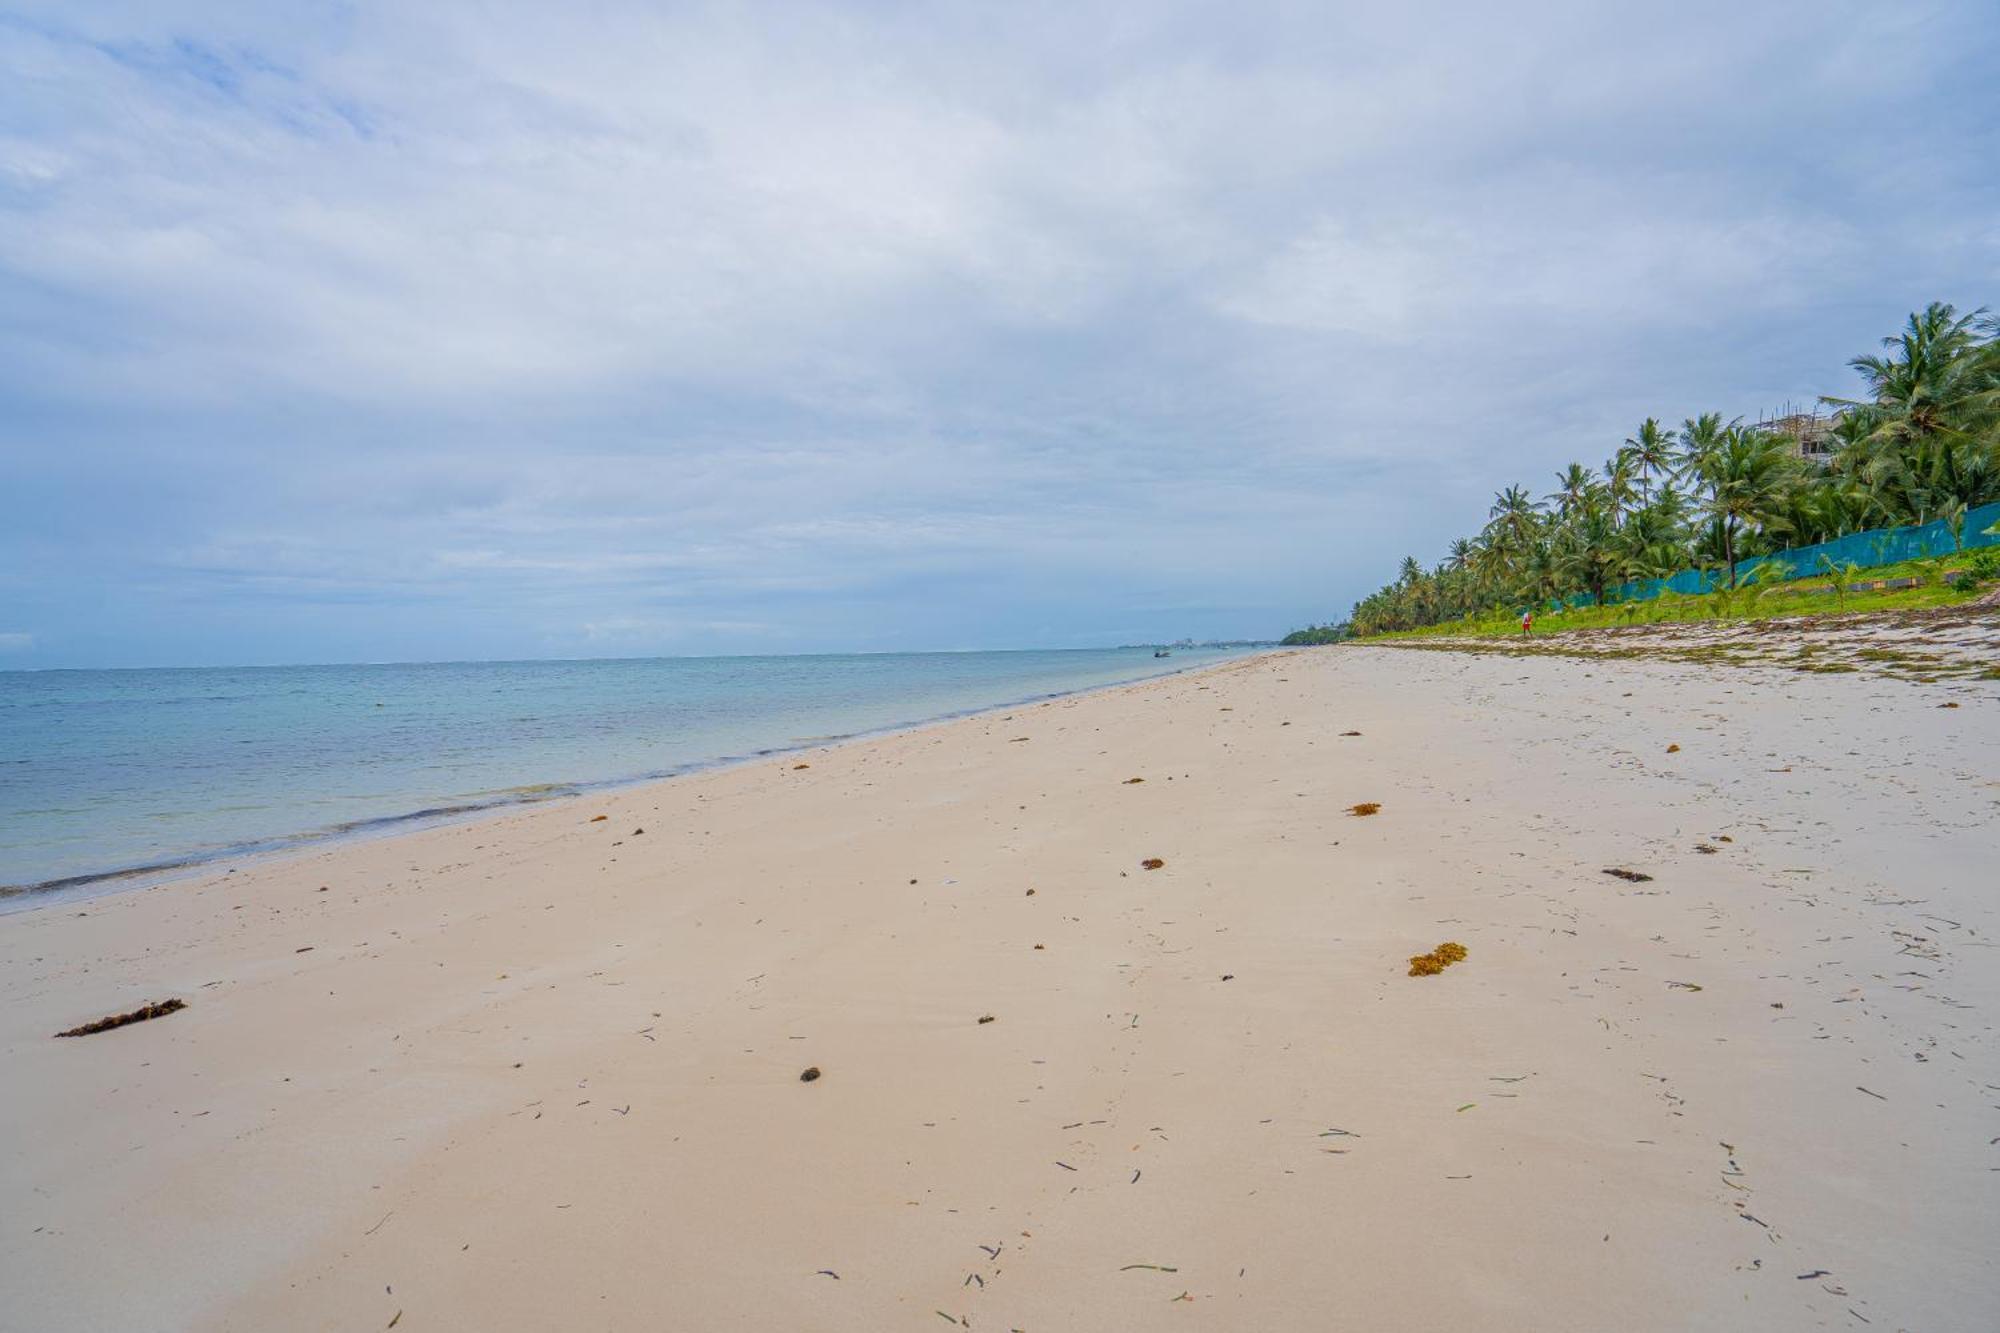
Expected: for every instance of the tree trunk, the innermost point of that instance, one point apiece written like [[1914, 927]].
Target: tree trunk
[[1729, 548]]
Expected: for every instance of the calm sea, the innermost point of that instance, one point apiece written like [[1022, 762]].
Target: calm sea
[[105, 772]]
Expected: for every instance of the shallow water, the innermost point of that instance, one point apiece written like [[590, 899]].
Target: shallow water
[[102, 772]]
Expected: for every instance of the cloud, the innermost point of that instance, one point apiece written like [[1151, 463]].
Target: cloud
[[363, 330]]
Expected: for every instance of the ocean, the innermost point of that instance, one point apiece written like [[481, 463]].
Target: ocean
[[112, 777]]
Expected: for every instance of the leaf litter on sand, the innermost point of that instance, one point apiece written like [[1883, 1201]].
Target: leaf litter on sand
[[1631, 876]]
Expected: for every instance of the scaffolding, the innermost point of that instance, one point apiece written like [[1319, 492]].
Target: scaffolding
[[1809, 429]]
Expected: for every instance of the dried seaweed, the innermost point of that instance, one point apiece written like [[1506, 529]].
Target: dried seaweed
[[1151, 863], [1364, 808], [1633, 876], [812, 1072], [158, 1010], [1437, 960]]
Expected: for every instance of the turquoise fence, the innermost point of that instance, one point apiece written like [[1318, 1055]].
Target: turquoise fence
[[1881, 546]]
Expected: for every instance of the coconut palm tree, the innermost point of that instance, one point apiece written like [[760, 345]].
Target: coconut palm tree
[[1652, 450], [1744, 475], [1699, 437], [1513, 523], [1621, 474], [1576, 486], [1587, 550], [1933, 382]]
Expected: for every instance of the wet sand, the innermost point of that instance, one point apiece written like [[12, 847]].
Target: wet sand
[[543, 1070]]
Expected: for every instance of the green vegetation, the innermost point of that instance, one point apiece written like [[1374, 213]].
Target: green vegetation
[[1922, 446], [1313, 634], [1814, 594]]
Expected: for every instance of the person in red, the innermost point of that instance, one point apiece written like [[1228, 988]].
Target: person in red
[[1527, 621]]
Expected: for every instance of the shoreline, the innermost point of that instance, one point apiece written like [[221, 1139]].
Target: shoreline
[[545, 1067], [90, 886]]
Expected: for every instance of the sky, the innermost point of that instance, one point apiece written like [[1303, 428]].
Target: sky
[[389, 331]]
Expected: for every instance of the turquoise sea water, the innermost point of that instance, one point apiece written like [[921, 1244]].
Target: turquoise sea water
[[104, 772]]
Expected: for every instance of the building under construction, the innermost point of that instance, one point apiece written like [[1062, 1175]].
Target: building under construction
[[1810, 430]]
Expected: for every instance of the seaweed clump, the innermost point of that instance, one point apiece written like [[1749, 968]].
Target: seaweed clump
[[1437, 960], [1364, 808], [159, 1009]]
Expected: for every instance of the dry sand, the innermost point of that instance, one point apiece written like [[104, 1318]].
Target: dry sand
[[539, 1072]]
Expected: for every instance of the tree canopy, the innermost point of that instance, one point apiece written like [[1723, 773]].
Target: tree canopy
[[1921, 443]]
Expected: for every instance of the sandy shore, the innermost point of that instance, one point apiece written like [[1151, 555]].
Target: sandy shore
[[542, 1071]]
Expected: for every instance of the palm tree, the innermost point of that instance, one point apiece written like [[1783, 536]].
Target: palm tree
[[1512, 524], [1576, 485], [1588, 550], [1745, 474], [1621, 472], [1650, 546], [1699, 437], [1652, 450], [1928, 440], [1932, 381]]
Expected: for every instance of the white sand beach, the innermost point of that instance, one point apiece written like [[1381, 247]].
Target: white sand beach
[[542, 1070]]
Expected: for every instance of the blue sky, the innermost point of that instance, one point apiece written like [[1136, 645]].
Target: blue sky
[[363, 331]]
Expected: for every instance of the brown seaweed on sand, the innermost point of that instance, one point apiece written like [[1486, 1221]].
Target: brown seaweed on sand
[[139, 1015], [1151, 863], [1364, 808], [1437, 960], [1631, 876], [811, 1073]]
